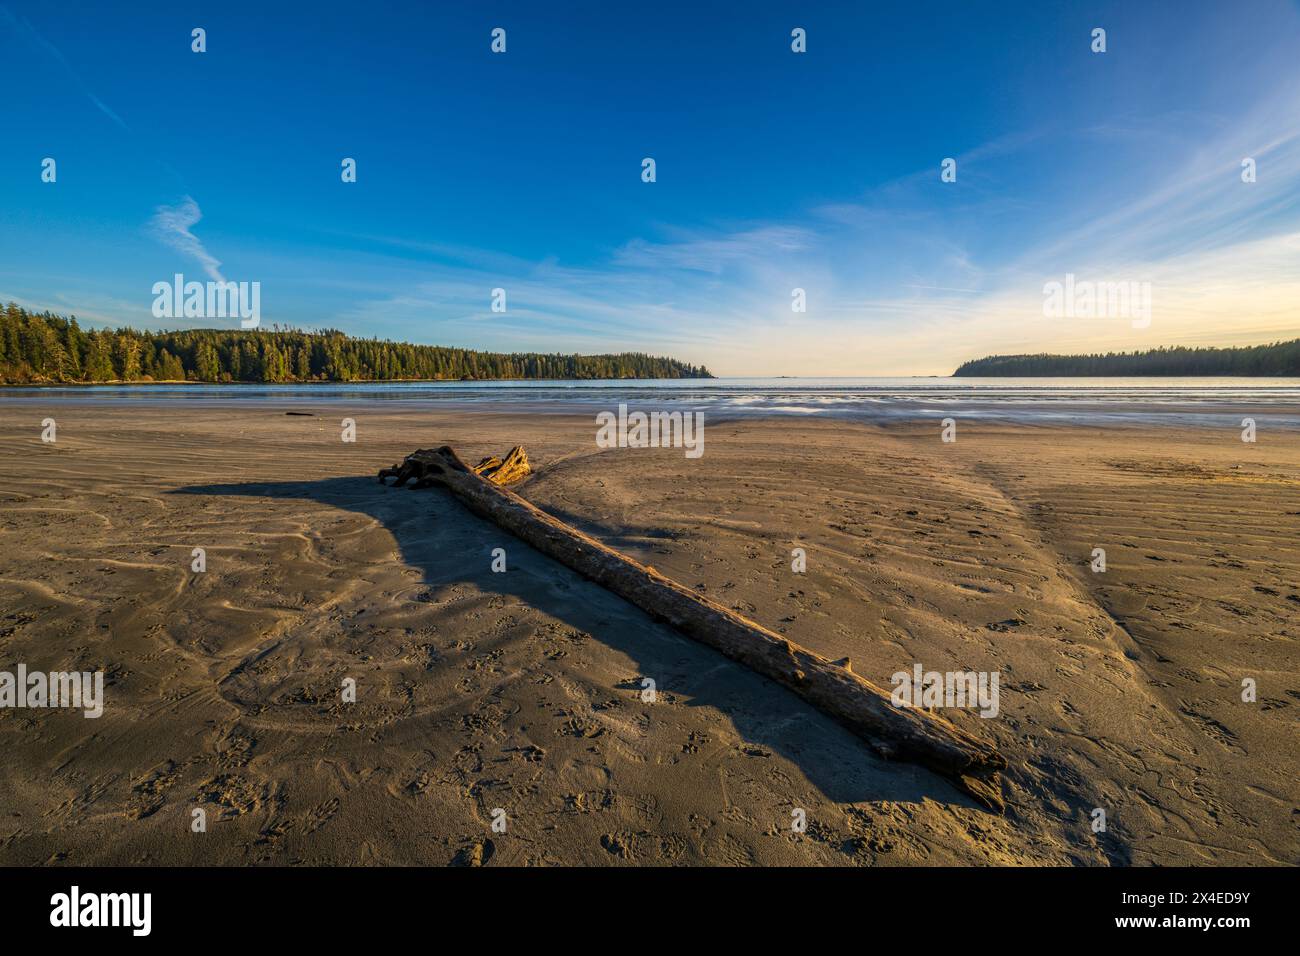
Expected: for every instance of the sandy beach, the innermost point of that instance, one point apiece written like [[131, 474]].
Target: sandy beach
[[476, 690]]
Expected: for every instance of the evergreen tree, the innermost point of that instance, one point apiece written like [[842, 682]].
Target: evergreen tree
[[47, 348], [99, 364], [1280, 360], [207, 368]]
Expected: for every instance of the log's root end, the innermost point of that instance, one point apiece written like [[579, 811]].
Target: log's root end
[[504, 471], [424, 466]]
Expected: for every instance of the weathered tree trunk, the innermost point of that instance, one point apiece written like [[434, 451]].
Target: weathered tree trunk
[[514, 467], [895, 732]]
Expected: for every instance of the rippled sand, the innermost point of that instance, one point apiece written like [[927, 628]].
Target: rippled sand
[[521, 691]]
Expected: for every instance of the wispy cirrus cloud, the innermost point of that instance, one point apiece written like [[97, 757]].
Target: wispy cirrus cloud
[[714, 253], [549, 306], [172, 225], [896, 284], [34, 38]]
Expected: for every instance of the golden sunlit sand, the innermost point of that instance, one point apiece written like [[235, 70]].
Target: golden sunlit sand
[[522, 691]]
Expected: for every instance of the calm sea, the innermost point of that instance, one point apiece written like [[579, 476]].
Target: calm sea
[[1221, 401]]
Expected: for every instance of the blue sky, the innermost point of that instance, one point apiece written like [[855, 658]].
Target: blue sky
[[775, 170]]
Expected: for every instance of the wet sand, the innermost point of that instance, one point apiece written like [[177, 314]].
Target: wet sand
[[522, 690]]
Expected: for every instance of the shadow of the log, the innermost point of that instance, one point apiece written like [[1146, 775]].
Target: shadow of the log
[[449, 546]]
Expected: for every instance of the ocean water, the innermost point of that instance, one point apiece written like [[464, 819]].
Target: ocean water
[[1214, 401]]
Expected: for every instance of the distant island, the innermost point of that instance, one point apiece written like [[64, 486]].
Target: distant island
[[1280, 360], [46, 349]]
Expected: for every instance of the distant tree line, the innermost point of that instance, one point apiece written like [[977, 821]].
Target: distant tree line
[[45, 348], [1281, 360]]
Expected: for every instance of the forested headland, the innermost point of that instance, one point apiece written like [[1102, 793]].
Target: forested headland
[[41, 348], [1278, 360]]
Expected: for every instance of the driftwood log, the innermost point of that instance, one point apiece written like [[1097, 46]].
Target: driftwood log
[[905, 733]]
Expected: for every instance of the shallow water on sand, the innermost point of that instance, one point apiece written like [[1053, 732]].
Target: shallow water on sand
[[1089, 401]]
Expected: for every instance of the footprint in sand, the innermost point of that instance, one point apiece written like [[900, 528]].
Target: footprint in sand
[[320, 815], [476, 853], [1212, 728]]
